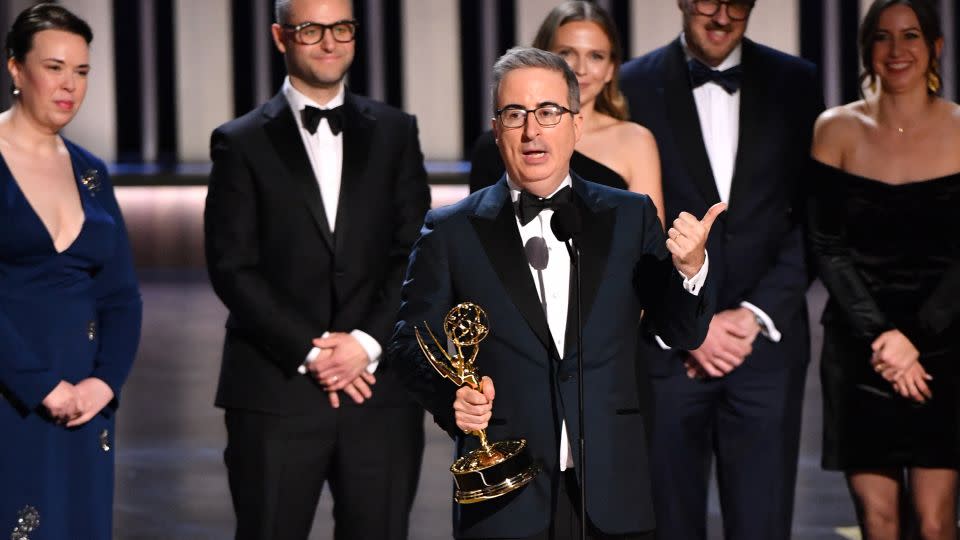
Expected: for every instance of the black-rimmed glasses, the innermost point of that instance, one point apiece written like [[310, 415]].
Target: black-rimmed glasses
[[737, 10], [547, 115], [309, 33]]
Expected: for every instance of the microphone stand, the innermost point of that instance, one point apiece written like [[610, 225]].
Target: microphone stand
[[581, 465], [566, 224]]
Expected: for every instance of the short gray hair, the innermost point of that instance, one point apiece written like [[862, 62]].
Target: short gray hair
[[281, 10], [528, 57]]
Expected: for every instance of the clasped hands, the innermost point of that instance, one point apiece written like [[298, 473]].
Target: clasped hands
[[342, 365], [728, 343], [75, 404], [897, 360]]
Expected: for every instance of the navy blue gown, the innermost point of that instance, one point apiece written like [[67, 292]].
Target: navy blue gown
[[63, 316]]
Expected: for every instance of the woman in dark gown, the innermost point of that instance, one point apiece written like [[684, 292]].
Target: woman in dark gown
[[883, 231], [612, 150], [69, 305]]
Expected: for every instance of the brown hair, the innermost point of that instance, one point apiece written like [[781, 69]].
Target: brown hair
[[610, 100], [929, 21], [37, 18]]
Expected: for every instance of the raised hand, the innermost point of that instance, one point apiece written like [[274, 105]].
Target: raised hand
[[687, 239]]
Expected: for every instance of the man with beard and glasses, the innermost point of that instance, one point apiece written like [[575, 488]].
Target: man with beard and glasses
[[733, 120], [315, 200]]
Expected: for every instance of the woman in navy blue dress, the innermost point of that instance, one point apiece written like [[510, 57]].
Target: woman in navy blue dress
[[70, 308]]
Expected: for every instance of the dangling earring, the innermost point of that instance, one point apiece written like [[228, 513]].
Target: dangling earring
[[873, 84], [933, 80]]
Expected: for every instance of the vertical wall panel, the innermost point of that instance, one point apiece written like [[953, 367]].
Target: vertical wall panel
[[431, 82], [530, 14], [948, 67], [204, 75], [95, 125], [655, 23], [776, 23], [832, 86], [130, 53]]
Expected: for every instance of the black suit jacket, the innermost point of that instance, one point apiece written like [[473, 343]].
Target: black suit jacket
[[273, 261], [472, 251], [756, 247]]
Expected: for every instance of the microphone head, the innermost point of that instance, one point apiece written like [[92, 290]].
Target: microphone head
[[566, 222]]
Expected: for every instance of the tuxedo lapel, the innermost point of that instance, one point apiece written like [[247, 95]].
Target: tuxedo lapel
[[281, 129], [496, 227], [753, 99], [594, 242], [357, 133], [685, 123]]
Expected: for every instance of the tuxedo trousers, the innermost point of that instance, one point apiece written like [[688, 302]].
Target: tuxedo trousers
[[277, 466], [749, 421], [565, 524]]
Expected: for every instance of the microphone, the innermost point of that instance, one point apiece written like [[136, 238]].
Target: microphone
[[566, 225]]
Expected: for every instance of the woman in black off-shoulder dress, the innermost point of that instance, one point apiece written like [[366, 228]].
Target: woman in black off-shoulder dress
[[883, 213]]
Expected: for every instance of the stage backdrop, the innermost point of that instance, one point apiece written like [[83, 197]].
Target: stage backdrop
[[166, 72]]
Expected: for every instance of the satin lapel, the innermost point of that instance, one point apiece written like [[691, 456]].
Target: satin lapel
[[685, 123], [357, 134], [281, 129], [594, 242], [501, 242], [753, 98]]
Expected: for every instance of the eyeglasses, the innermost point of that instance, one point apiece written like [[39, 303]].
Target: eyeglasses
[[309, 33], [737, 10], [547, 115]]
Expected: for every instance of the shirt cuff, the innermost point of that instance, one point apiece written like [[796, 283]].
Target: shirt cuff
[[374, 350], [767, 328], [693, 284], [311, 356], [370, 345]]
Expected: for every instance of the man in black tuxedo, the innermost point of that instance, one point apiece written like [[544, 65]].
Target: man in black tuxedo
[[509, 262], [315, 200], [733, 120]]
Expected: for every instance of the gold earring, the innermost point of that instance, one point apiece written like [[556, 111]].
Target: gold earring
[[873, 84], [933, 80]]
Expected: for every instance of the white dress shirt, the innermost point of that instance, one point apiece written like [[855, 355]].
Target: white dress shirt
[[719, 114], [325, 152], [551, 276]]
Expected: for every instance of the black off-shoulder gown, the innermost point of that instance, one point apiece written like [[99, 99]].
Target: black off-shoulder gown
[[889, 256]]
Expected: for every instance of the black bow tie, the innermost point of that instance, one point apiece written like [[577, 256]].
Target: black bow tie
[[529, 205], [728, 79], [311, 118]]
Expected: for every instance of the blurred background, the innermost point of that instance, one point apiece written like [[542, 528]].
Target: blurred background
[[167, 72]]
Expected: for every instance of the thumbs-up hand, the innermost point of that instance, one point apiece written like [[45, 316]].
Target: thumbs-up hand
[[687, 239]]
